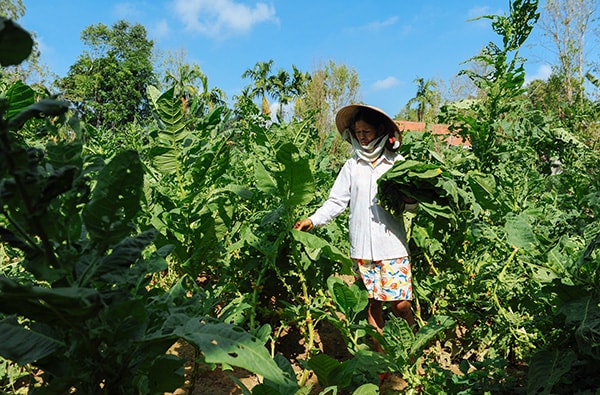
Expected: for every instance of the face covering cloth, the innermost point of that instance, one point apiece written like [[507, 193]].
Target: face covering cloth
[[368, 152]]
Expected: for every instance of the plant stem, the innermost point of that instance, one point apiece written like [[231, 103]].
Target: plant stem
[[435, 271], [309, 325], [255, 289]]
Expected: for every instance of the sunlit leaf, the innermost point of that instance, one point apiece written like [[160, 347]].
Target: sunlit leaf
[[332, 252], [19, 96], [296, 175], [264, 182], [519, 232], [223, 343]]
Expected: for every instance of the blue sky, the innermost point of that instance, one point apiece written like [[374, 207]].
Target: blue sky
[[388, 42]]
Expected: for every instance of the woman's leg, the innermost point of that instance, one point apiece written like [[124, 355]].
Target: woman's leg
[[402, 309], [375, 318]]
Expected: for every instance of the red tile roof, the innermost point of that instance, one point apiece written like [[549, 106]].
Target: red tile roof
[[437, 128]]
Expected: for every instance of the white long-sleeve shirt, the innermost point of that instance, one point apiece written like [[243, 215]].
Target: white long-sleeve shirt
[[374, 233]]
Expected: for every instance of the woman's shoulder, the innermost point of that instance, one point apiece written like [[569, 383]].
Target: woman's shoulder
[[351, 161]]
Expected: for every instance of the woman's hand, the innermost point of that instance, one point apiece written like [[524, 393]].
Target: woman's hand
[[304, 225]]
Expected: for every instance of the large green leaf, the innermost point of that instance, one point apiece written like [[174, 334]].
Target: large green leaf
[[484, 188], [546, 368], [519, 232], [312, 242], [366, 389], [296, 175], [350, 300], [23, 345], [15, 43], [435, 325], [166, 153], [42, 107], [397, 336], [334, 373], [170, 113], [323, 365], [19, 96], [115, 200], [166, 373], [114, 267], [428, 183], [589, 249], [584, 314], [49, 305], [264, 181], [436, 210], [222, 343], [413, 169]]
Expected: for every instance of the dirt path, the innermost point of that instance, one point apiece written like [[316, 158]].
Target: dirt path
[[291, 345]]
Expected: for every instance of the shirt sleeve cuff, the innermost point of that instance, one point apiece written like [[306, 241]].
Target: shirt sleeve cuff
[[315, 221]]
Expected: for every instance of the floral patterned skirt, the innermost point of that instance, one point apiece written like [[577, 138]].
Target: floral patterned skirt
[[387, 279]]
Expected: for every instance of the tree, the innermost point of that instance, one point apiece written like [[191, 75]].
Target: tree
[[285, 87], [330, 87], [427, 99], [108, 84], [567, 24], [543, 95], [461, 87], [191, 85], [281, 86], [12, 9], [260, 75]]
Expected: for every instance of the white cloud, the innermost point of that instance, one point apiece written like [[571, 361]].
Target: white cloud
[[160, 29], [127, 10], [543, 72], [476, 12], [378, 25], [385, 83], [222, 18]]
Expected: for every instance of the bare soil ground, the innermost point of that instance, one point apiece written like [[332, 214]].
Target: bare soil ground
[[219, 382], [291, 345]]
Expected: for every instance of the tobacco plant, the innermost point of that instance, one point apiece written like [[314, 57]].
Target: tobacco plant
[[281, 269], [189, 199], [505, 260], [83, 313]]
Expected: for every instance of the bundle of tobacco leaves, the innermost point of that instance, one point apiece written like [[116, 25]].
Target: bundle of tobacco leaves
[[428, 183]]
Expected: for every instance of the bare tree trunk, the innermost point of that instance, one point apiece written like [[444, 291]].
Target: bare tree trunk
[[566, 23]]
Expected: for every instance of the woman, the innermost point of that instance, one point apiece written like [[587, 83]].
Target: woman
[[378, 244]]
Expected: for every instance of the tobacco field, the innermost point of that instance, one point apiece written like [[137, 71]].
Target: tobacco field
[[114, 247]]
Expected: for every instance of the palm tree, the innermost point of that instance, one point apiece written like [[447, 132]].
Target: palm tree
[[186, 80], [260, 75], [426, 96], [211, 98], [183, 82], [279, 89]]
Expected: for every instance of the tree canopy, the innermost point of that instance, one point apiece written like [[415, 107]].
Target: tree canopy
[[108, 83]]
